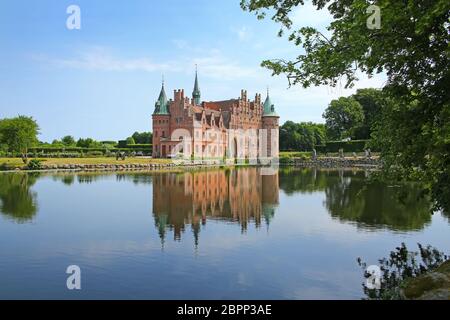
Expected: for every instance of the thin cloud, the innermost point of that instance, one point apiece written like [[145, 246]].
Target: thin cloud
[[101, 59]]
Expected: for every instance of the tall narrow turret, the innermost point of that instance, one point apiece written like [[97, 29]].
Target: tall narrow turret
[[196, 92]]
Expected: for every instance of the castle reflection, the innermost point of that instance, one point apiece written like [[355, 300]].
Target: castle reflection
[[191, 198]]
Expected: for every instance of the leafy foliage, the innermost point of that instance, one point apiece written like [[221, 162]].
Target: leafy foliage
[[34, 164], [372, 102], [18, 134], [343, 117], [142, 138], [68, 141], [301, 136], [401, 265], [411, 47]]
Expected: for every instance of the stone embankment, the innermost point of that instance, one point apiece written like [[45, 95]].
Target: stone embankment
[[334, 162], [434, 285], [329, 162]]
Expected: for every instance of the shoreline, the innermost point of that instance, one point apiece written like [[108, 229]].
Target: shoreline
[[321, 163]]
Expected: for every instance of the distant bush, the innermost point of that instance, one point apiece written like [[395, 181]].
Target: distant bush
[[295, 154]]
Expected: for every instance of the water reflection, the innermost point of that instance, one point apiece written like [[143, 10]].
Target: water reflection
[[351, 197], [183, 200], [17, 200], [190, 198]]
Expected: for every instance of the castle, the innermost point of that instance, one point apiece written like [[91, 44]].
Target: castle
[[228, 129]]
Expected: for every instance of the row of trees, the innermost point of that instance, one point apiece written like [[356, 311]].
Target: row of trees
[[354, 117], [139, 138], [21, 133]]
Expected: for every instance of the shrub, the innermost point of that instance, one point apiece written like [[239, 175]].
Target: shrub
[[401, 265], [34, 164]]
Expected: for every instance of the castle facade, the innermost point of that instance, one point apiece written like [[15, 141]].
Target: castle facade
[[236, 128]]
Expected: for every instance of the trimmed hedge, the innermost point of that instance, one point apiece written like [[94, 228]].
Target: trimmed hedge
[[138, 146], [347, 146]]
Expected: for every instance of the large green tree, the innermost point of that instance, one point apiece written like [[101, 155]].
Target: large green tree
[[18, 134], [371, 101], [411, 46], [343, 117], [302, 136]]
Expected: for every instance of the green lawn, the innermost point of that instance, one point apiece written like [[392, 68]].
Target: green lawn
[[17, 162]]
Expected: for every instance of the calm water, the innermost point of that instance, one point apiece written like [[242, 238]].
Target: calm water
[[216, 234]]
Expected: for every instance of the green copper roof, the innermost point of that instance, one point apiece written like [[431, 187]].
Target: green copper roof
[[162, 105], [269, 108], [196, 92]]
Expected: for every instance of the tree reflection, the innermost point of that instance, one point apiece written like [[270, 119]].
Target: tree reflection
[[17, 200], [350, 197]]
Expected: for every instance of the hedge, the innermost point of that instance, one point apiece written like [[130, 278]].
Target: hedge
[[347, 146], [138, 146]]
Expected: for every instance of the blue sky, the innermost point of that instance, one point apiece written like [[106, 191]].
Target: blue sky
[[102, 81]]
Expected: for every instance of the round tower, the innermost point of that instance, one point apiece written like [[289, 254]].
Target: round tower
[[270, 122], [161, 125]]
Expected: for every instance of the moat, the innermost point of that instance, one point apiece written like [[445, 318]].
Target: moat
[[204, 234]]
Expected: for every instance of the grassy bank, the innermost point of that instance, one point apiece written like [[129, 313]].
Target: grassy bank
[[12, 163]]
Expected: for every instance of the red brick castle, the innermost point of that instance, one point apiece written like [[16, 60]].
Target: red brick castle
[[235, 128]]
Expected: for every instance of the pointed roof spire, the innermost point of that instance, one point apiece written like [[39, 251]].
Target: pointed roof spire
[[162, 105], [269, 107], [196, 93]]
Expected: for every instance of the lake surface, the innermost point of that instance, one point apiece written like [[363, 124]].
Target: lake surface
[[209, 234]]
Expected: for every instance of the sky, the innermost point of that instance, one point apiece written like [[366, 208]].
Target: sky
[[102, 80]]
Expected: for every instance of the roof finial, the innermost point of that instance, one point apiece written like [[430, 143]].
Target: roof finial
[[267, 90], [163, 79]]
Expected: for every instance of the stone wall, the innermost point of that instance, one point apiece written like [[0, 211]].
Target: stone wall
[[333, 162]]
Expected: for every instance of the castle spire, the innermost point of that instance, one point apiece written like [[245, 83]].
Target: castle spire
[[161, 105], [196, 93], [269, 107]]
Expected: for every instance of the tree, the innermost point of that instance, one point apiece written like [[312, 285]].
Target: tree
[[142, 138], [88, 143], [68, 141], [19, 133], [371, 101], [130, 140], [301, 136], [411, 47], [344, 117]]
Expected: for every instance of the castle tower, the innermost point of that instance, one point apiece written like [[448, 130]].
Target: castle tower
[[161, 125], [270, 121], [196, 93]]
